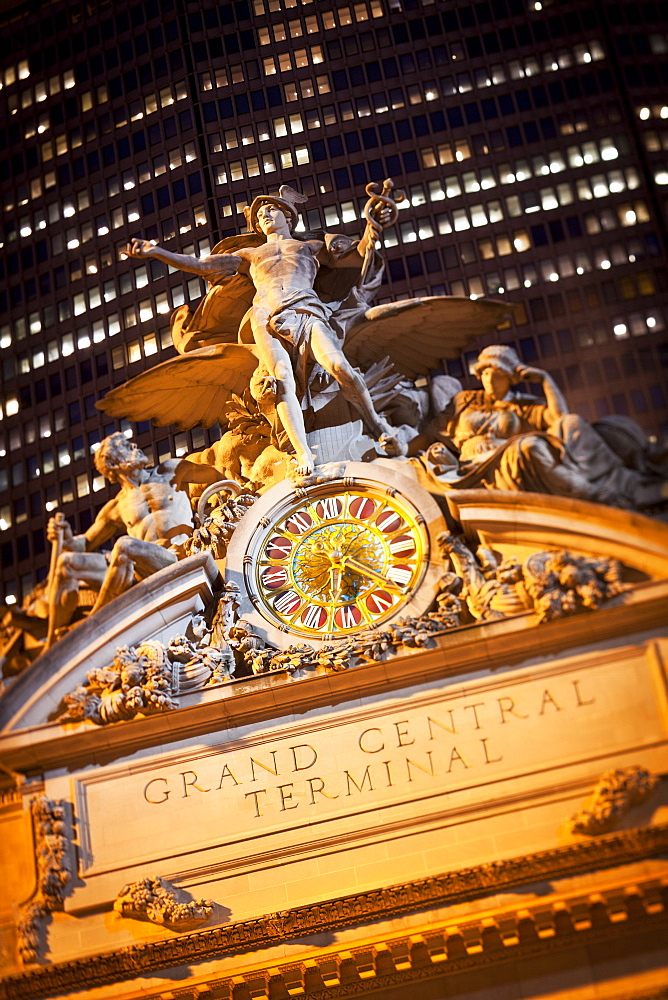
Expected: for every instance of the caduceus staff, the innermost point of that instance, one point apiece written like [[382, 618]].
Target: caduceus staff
[[386, 197]]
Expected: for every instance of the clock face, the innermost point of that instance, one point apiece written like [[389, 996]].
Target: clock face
[[319, 563], [337, 560]]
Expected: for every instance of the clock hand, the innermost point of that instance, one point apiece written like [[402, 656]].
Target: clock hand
[[372, 574], [335, 582]]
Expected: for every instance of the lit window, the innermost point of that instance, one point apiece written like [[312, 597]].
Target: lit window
[[344, 16], [284, 62], [436, 192], [236, 170], [280, 127], [290, 90], [348, 212], [452, 186], [296, 124], [460, 219], [296, 28], [443, 224], [269, 66]]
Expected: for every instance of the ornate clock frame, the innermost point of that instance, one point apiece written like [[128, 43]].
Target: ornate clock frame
[[328, 561]]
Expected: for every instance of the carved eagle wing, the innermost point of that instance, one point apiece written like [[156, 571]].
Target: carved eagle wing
[[190, 390], [417, 334]]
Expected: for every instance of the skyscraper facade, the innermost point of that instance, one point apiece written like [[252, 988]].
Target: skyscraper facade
[[530, 140]]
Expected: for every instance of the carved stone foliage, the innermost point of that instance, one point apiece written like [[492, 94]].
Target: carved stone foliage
[[616, 792], [217, 526], [149, 678], [139, 681], [53, 873], [551, 584], [159, 901]]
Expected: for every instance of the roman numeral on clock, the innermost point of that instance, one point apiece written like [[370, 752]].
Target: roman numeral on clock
[[299, 523], [274, 577], [378, 602], [279, 547], [347, 617], [314, 617], [402, 546], [287, 603], [328, 508], [400, 575]]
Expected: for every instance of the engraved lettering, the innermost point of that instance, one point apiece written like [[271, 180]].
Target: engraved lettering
[[286, 797], [256, 797], [191, 784], [295, 756], [476, 705], [390, 783], [266, 767], [368, 749], [507, 707], [488, 759], [401, 733], [227, 773], [454, 756], [165, 792], [429, 770], [548, 700], [434, 722], [351, 781], [319, 790], [580, 702]]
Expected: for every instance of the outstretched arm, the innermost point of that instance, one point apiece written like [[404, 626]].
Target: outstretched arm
[[221, 263]]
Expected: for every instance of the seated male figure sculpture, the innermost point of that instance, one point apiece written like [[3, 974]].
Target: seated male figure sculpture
[[287, 318], [151, 507]]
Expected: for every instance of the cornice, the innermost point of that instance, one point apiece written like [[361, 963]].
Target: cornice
[[302, 922]]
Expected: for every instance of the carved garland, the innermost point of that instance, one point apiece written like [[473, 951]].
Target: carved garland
[[146, 679], [53, 873], [458, 886]]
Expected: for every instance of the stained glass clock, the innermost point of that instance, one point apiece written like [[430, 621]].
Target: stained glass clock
[[328, 561]]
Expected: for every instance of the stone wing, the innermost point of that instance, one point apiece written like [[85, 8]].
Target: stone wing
[[418, 334], [191, 390]]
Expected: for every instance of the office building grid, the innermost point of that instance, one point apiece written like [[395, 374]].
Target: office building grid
[[530, 139]]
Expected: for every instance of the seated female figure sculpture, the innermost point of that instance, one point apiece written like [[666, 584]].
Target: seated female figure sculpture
[[508, 440]]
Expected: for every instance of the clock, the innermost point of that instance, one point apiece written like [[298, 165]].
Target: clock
[[324, 562]]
